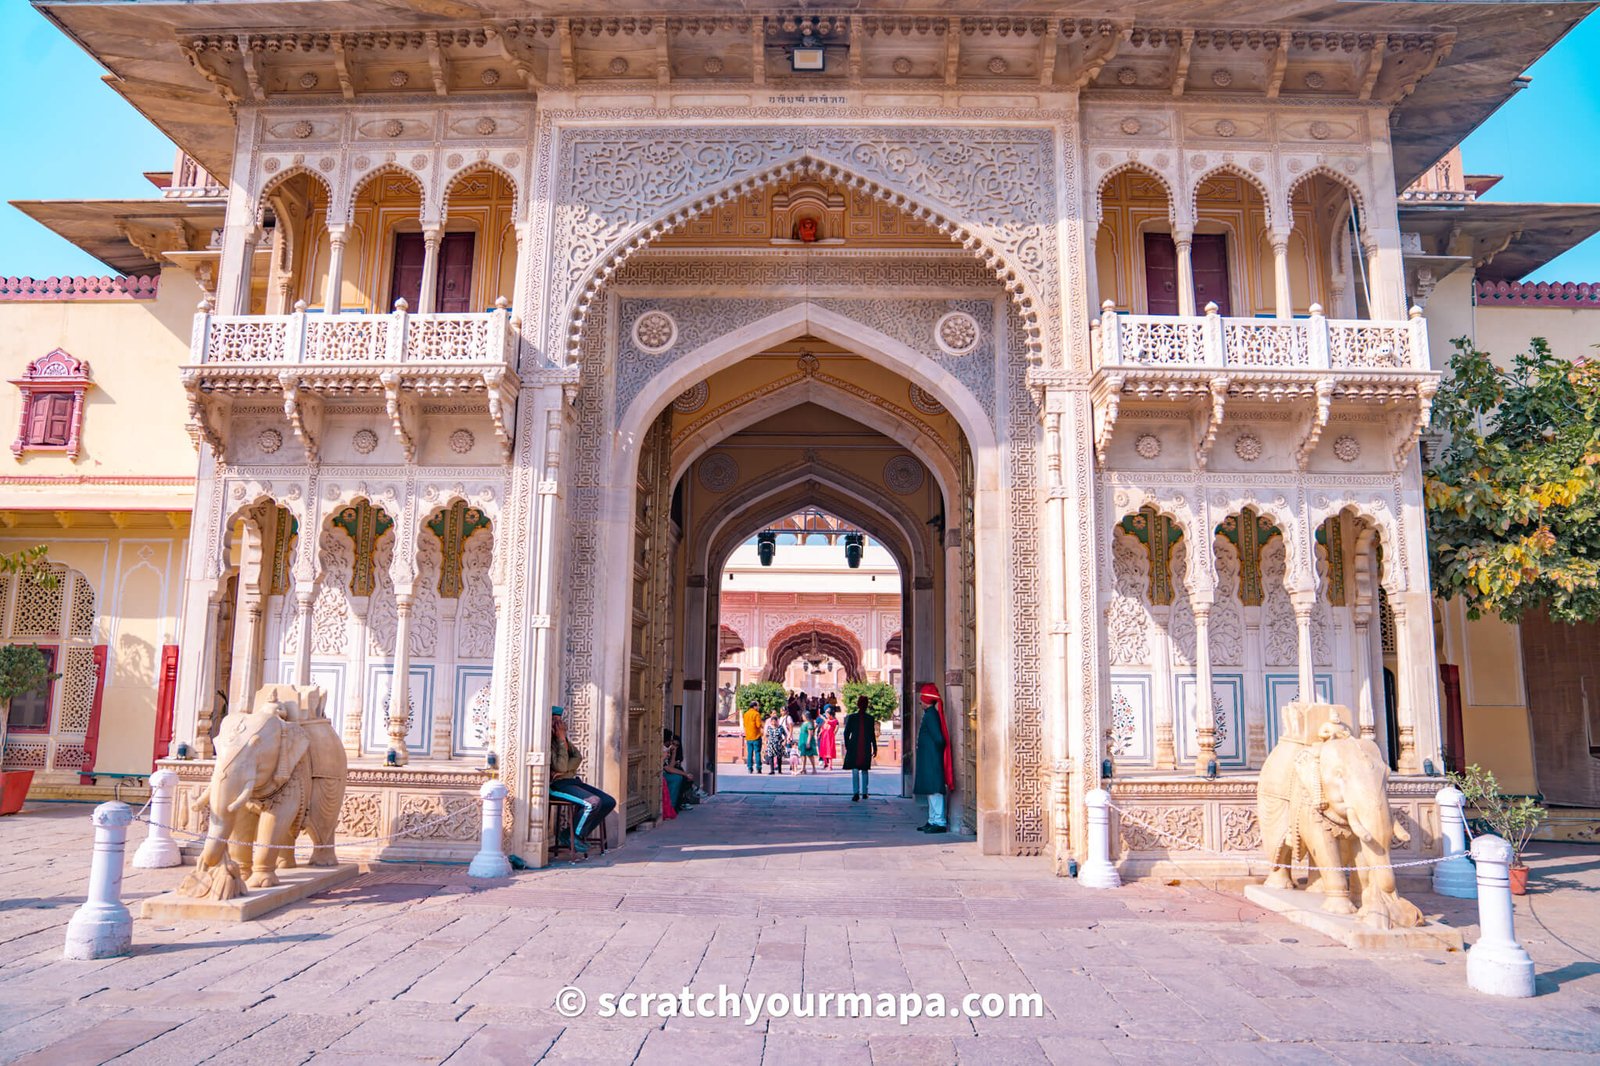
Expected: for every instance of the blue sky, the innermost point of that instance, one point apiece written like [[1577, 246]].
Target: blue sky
[[68, 136]]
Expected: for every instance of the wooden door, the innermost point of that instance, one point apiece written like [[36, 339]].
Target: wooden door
[[1209, 254], [454, 292], [1160, 274], [405, 282]]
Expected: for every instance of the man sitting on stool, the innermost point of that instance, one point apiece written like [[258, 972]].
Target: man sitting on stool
[[565, 787]]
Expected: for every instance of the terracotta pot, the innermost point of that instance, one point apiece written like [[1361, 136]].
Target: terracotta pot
[[14, 785], [1519, 880]]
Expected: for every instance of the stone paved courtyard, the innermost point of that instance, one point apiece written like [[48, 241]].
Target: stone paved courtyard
[[764, 893]]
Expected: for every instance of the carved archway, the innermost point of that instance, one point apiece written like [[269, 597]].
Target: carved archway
[[813, 637]]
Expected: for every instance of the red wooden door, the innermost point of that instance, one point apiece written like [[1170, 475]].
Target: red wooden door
[[454, 294], [1160, 274], [1210, 258], [406, 281]]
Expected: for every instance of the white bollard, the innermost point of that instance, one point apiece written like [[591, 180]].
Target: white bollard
[[1496, 965], [1454, 877], [491, 861], [159, 850], [1098, 872], [102, 928]]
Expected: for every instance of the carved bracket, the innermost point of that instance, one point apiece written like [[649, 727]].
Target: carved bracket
[[1108, 416], [208, 415], [304, 412], [502, 399], [1206, 436], [1411, 426], [1315, 424], [405, 414]]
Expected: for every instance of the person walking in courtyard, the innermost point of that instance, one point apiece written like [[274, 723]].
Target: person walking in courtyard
[[808, 743], [567, 787], [828, 739], [934, 775], [752, 740], [860, 747], [777, 739]]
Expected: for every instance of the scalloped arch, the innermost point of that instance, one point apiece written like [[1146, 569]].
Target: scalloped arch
[[1013, 279], [1232, 168], [1348, 183], [479, 166], [278, 180], [347, 209], [1144, 168]]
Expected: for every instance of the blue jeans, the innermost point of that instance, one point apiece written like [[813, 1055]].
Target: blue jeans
[[752, 755], [858, 782]]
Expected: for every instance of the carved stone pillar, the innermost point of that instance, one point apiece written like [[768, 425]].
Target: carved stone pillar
[[1361, 665], [331, 298], [1205, 721], [431, 238], [1303, 603], [356, 711], [1283, 302], [1406, 759], [305, 594], [205, 703], [400, 680], [1167, 714], [1183, 240], [444, 659]]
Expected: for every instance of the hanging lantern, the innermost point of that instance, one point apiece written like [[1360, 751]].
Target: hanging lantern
[[854, 546], [766, 546]]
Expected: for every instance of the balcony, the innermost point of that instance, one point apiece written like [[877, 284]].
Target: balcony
[[396, 360], [1206, 364]]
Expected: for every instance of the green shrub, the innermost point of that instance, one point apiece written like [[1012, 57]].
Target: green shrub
[[768, 695], [881, 698]]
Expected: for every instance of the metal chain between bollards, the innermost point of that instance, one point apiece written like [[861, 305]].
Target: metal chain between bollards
[[201, 837], [1236, 857]]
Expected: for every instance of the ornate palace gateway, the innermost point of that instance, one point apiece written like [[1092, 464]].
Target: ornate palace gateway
[[1095, 321]]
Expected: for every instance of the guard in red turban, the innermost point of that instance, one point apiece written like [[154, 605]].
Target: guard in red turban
[[935, 773]]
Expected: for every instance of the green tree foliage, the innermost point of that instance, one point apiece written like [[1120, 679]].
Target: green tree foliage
[[1513, 498], [768, 695], [23, 668], [881, 698]]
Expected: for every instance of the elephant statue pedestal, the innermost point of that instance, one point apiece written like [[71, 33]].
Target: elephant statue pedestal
[[280, 771], [1322, 800]]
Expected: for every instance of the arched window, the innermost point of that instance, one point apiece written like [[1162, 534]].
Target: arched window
[[49, 729]]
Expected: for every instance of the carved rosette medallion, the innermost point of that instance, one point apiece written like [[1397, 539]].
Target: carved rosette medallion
[[903, 475], [618, 66], [269, 441], [713, 65], [998, 65], [364, 441], [1225, 127], [1315, 79], [461, 441], [1321, 130], [655, 332], [1222, 77], [309, 80], [486, 126], [1247, 446], [957, 333], [902, 65], [692, 399], [1131, 126], [1148, 446], [924, 401], [490, 76], [1127, 76], [399, 79], [719, 472], [303, 129], [393, 128], [1347, 449]]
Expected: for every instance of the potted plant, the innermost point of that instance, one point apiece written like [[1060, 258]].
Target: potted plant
[[1513, 818], [22, 669]]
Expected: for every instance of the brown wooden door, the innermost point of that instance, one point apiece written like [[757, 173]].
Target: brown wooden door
[[1210, 257], [454, 292], [406, 282], [1160, 274]]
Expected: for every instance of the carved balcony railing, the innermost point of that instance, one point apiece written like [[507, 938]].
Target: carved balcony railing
[[394, 359], [1203, 364], [1212, 342]]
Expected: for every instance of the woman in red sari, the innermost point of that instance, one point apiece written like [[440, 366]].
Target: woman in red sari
[[828, 741]]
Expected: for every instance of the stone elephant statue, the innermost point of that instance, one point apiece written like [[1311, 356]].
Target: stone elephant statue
[[280, 771], [1322, 796]]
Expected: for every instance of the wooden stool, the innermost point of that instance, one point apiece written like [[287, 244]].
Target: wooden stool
[[566, 816]]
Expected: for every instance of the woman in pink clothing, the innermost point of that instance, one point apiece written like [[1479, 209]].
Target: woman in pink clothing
[[828, 740]]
